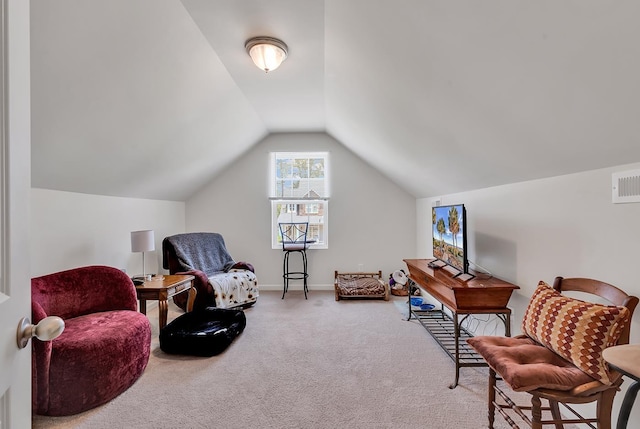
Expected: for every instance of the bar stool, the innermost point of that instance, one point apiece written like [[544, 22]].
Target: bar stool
[[626, 360], [294, 239]]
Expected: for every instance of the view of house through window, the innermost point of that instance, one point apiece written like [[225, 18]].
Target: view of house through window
[[300, 193]]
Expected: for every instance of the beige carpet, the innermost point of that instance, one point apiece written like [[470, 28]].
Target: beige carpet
[[300, 363]]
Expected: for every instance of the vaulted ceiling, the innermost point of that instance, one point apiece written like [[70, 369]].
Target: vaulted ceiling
[[154, 98]]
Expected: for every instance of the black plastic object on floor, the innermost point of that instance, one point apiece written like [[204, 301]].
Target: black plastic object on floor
[[205, 332]]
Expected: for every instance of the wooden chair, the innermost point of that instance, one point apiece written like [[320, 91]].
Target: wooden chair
[[559, 359]]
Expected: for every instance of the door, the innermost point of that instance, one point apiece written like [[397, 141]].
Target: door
[[15, 188]]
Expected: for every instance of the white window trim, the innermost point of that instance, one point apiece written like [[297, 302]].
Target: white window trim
[[324, 200]]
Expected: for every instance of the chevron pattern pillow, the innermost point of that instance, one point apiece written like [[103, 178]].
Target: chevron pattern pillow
[[576, 330]]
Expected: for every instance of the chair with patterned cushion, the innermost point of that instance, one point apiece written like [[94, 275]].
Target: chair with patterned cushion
[[559, 356]]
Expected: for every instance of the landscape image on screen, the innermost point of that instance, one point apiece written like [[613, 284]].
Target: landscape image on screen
[[448, 235]]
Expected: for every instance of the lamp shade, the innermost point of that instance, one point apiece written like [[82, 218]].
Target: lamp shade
[[267, 53], [143, 241]]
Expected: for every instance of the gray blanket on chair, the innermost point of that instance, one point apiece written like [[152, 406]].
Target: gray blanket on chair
[[204, 251]]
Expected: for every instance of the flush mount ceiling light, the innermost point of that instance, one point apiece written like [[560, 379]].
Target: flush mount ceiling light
[[266, 52]]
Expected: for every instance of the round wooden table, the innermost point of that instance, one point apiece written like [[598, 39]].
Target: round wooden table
[[626, 360]]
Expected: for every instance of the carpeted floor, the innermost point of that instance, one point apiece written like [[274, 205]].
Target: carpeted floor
[[300, 363]]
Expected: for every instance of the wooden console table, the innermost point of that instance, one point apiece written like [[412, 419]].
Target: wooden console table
[[479, 295]]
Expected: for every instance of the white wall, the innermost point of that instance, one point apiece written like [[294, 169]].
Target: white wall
[[537, 230], [69, 230], [371, 220]]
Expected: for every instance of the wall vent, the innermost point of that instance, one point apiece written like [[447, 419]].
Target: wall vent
[[625, 186]]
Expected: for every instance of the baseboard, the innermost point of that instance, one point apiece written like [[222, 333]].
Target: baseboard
[[295, 286], [153, 304]]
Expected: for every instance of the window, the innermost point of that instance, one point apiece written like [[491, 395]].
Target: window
[[312, 208], [299, 192]]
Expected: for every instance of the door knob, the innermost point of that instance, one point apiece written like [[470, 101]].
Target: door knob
[[46, 330]]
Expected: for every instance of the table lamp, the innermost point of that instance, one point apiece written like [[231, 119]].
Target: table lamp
[[143, 241]]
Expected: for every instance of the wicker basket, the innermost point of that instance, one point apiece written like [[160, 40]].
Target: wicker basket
[[399, 292]]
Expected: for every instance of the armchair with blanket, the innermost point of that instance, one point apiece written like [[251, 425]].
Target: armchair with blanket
[[219, 280]]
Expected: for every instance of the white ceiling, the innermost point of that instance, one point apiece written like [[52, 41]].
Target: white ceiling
[[154, 98]]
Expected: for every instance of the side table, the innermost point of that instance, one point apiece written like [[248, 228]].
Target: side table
[[626, 360], [161, 289]]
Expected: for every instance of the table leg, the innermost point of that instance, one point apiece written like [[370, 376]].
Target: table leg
[[456, 334], [143, 306], [191, 299], [163, 310], [627, 403]]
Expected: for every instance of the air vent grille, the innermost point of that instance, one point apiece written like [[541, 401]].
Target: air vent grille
[[626, 186]]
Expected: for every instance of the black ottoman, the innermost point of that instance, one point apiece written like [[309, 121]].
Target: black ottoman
[[204, 332]]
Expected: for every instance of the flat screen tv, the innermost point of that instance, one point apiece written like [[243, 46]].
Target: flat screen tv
[[450, 237]]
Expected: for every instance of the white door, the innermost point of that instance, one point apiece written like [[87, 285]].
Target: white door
[[15, 148]]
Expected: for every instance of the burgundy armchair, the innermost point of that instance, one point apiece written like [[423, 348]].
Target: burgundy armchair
[[105, 344]]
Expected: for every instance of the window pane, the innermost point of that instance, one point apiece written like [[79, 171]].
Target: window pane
[[317, 219], [299, 175]]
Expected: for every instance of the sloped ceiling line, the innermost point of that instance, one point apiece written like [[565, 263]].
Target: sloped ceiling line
[[439, 96]]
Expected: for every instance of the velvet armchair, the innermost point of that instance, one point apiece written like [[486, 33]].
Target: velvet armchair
[[105, 345]]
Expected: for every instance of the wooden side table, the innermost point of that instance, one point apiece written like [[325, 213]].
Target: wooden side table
[[161, 289], [626, 360]]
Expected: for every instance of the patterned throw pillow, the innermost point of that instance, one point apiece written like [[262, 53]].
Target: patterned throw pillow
[[576, 330]]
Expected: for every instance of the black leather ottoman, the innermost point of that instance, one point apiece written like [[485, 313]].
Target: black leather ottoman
[[205, 332]]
